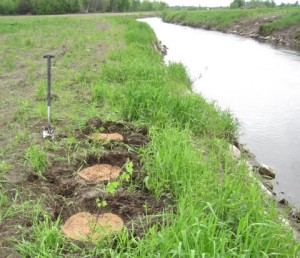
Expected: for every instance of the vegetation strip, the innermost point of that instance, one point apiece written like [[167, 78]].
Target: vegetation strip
[[184, 194], [278, 25]]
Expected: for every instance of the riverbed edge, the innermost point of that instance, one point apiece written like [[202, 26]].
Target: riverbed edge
[[248, 28]]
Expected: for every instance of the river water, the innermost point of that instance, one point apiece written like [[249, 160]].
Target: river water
[[258, 83]]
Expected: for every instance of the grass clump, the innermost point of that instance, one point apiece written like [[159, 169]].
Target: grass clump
[[220, 210], [37, 158], [48, 240]]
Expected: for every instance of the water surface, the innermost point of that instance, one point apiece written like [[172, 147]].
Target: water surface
[[257, 82]]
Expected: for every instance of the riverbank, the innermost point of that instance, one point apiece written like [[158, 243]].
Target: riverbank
[[181, 191], [279, 26]]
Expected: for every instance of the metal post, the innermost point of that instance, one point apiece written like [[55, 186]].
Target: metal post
[[48, 131], [49, 85]]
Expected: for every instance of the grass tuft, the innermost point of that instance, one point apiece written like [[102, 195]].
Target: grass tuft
[[37, 158]]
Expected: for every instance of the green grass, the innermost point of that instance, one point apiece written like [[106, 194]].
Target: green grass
[[213, 19], [219, 211], [286, 20], [223, 19], [37, 158]]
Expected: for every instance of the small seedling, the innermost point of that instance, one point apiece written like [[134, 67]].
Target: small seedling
[[99, 205], [129, 167], [112, 186], [101, 129]]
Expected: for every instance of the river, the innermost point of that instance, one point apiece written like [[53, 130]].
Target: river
[[258, 83]]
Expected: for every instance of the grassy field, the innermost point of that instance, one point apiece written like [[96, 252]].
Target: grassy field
[[187, 197]]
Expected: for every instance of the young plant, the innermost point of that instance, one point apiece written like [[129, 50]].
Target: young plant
[[112, 186], [99, 205]]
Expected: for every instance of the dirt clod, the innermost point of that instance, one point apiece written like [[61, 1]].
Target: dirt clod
[[88, 227], [100, 172]]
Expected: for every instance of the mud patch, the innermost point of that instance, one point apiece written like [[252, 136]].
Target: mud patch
[[88, 227], [100, 172]]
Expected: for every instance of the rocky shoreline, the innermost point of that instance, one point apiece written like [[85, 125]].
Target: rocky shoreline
[[283, 38]]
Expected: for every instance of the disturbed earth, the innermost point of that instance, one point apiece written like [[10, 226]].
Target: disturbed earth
[[69, 194]]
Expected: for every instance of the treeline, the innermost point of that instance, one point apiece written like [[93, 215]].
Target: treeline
[[257, 4], [10, 7]]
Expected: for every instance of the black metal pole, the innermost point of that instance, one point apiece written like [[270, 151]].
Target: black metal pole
[[49, 84]]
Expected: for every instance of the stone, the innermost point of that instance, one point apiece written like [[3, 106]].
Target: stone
[[268, 185], [266, 171], [235, 151]]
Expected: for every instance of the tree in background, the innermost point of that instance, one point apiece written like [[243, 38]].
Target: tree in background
[[260, 4], [8, 7], [237, 4], [252, 4], [135, 5], [23, 7]]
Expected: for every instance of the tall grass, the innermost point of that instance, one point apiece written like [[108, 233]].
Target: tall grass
[[217, 19], [286, 20], [37, 158], [220, 210], [141, 87]]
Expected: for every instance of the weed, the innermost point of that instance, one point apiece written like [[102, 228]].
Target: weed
[[49, 241], [4, 168], [124, 177], [41, 90], [22, 113], [37, 158]]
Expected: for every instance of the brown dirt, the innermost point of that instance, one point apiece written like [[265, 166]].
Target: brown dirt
[[88, 227], [100, 172]]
